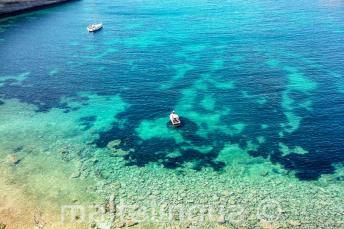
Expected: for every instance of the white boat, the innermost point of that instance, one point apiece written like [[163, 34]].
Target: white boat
[[94, 27], [175, 120]]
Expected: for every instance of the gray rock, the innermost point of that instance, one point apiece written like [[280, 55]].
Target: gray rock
[[10, 6]]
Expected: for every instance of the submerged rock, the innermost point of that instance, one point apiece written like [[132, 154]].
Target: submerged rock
[[266, 225], [120, 152], [120, 225], [264, 173], [65, 155], [113, 144], [226, 193], [294, 223], [130, 223], [12, 159], [76, 174], [221, 219]]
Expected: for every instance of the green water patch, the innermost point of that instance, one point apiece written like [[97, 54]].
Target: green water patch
[[13, 79], [293, 122], [261, 139], [208, 103], [238, 127], [80, 122], [285, 150], [257, 98], [264, 126], [287, 102], [227, 85], [217, 65], [200, 85], [240, 163], [297, 83], [101, 111], [202, 149], [158, 128], [209, 121]]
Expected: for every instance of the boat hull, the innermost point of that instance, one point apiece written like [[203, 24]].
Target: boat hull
[[175, 120], [94, 28]]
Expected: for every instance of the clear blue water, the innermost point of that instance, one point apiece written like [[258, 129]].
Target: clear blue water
[[262, 73]]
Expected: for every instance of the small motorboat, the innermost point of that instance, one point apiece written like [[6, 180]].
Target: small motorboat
[[94, 27], [175, 120]]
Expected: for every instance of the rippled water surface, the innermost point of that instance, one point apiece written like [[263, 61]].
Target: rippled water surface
[[264, 75], [259, 87]]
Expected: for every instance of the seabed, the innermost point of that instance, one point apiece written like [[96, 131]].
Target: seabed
[[47, 167], [85, 138]]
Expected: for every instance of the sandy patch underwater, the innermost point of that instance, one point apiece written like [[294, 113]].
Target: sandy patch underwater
[[45, 165]]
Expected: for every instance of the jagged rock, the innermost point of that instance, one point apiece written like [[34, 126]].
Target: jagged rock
[[2, 226]]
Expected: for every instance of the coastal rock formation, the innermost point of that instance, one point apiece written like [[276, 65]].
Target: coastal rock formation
[[14, 6]]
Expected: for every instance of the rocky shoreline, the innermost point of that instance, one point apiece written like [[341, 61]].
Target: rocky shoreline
[[9, 7]]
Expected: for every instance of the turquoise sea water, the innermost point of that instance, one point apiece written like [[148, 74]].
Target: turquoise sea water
[[258, 86]]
